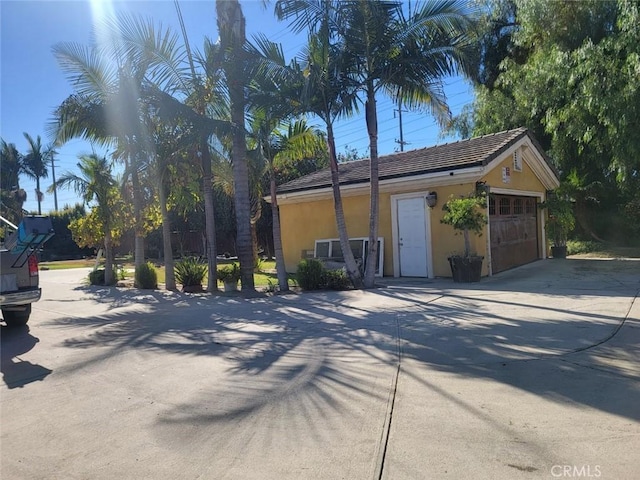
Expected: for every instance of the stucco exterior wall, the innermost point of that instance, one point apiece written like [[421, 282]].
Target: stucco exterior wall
[[304, 223], [526, 180]]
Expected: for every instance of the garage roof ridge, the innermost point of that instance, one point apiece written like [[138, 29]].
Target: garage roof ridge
[[456, 155]]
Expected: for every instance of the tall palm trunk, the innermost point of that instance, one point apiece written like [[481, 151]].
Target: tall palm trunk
[[283, 283], [169, 273], [352, 268], [244, 240], [39, 195], [231, 24], [254, 242], [209, 213], [374, 200], [108, 256], [138, 253]]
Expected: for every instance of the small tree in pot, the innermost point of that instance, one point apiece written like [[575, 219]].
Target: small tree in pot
[[466, 215], [560, 221]]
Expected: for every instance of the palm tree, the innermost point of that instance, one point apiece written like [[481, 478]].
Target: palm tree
[[384, 49], [34, 164], [231, 26], [298, 142], [327, 90], [104, 109], [172, 144], [94, 183], [12, 197], [405, 56], [114, 88], [197, 104]]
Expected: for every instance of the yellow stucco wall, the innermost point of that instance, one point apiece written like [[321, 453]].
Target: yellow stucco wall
[[525, 180], [305, 222]]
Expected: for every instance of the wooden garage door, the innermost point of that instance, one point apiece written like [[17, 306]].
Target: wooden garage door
[[514, 231]]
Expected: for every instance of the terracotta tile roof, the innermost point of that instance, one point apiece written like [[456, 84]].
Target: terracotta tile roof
[[450, 156]]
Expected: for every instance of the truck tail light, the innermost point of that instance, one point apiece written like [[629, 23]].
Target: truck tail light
[[33, 266]]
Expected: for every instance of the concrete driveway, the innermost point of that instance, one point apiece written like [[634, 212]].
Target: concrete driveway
[[534, 373]]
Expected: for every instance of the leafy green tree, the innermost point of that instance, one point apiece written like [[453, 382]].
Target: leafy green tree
[[169, 158], [98, 189], [112, 105], [577, 90], [61, 246]]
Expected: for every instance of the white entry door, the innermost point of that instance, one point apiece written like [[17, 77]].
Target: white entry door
[[412, 237]]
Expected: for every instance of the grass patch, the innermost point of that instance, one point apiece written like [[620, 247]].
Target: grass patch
[[267, 277], [66, 264], [593, 249]]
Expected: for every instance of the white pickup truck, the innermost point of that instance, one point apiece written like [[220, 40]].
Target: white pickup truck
[[19, 279]]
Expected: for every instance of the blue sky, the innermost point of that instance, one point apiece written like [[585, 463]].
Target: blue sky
[[32, 84]]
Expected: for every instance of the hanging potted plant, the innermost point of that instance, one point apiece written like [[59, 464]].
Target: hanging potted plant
[[560, 222], [190, 273], [466, 216], [229, 275]]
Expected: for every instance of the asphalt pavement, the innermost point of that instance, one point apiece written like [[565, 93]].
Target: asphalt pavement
[[533, 373]]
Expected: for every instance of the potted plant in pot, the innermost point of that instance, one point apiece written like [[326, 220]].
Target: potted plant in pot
[[466, 216], [229, 276], [560, 222], [190, 273]]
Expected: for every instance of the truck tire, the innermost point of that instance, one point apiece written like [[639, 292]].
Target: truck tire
[[17, 317]]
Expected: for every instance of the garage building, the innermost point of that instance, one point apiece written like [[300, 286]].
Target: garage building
[[414, 185]]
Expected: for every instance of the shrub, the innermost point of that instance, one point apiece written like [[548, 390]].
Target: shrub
[[96, 277], [146, 276], [575, 247], [311, 274], [336, 280], [190, 272]]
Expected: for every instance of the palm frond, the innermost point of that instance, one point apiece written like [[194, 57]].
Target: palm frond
[[87, 70], [156, 48]]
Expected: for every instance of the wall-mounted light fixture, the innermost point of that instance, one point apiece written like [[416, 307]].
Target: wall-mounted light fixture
[[431, 199], [482, 188]]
